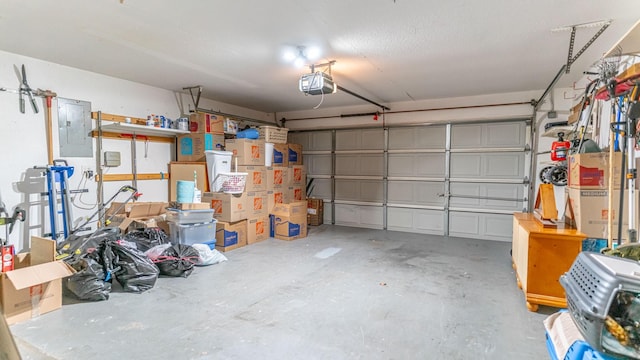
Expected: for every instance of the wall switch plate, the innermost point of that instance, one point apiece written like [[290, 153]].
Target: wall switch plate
[[111, 158]]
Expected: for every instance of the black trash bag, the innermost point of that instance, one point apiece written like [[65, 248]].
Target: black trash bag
[[132, 268], [178, 260], [147, 238], [76, 246], [92, 281]]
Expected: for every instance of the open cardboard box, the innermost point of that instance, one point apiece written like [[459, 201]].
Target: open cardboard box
[[138, 215], [34, 287], [8, 347]]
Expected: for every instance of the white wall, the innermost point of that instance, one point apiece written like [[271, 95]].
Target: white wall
[[23, 137]]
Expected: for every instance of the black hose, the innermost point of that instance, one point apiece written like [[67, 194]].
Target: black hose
[[623, 171]]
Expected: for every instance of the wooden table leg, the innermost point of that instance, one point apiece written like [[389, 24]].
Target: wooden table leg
[[532, 307]]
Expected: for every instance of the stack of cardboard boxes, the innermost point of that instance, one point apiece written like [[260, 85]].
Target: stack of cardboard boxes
[[207, 133], [588, 190], [243, 219]]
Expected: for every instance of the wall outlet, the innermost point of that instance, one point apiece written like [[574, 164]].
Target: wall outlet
[[87, 172]]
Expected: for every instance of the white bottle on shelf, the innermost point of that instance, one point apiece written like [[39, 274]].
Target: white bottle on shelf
[[197, 194]]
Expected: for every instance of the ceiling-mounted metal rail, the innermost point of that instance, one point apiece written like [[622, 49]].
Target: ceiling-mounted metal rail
[[537, 103], [362, 98]]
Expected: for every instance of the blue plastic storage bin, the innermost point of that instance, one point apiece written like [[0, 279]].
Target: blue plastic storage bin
[[580, 350]]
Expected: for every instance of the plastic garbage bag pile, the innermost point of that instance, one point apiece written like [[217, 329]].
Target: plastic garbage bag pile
[[135, 260]]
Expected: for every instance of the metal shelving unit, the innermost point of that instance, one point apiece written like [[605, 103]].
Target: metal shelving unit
[[120, 130]]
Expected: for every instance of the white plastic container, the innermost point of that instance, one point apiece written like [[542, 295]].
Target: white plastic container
[[189, 234], [217, 162], [268, 154], [189, 216]]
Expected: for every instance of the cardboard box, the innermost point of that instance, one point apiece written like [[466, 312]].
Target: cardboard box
[[35, 286], [184, 171], [246, 151], [191, 147], [137, 215], [315, 211], [231, 235], [274, 197], [228, 207], [257, 229], [295, 154], [289, 221], [590, 210], [256, 177], [280, 155], [206, 123], [257, 202], [277, 177], [574, 112], [297, 176], [295, 193], [194, 206], [8, 347], [591, 170]]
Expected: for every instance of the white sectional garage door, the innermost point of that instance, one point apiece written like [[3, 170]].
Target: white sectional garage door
[[455, 179]]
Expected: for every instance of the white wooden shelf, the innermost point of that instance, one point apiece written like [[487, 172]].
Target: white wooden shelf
[[125, 128]]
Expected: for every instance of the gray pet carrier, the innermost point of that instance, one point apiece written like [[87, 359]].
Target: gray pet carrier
[[603, 297]]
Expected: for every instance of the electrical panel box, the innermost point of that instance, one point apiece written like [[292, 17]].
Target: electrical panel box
[[111, 158], [74, 123]]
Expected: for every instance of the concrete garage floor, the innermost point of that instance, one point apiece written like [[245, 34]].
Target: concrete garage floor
[[341, 293]]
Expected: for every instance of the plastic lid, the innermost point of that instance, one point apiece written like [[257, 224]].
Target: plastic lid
[[218, 152]]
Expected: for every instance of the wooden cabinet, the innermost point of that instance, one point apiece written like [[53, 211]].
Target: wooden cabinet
[[540, 255]]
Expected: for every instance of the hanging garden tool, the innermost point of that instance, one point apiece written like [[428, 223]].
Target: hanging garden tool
[[25, 89]]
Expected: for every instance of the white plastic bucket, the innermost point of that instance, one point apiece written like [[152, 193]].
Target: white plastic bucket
[[268, 154], [217, 162]]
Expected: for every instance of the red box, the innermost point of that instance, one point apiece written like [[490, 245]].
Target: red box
[[8, 254]]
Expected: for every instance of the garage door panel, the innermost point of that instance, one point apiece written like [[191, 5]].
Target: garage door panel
[[461, 193], [364, 164], [501, 165], [321, 188], [506, 134], [359, 216], [423, 137], [327, 219], [359, 190], [481, 225], [487, 165], [363, 139], [415, 220], [493, 135], [312, 141], [418, 165], [318, 164], [416, 193]]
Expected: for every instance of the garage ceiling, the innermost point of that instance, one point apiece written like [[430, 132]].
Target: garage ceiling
[[385, 50]]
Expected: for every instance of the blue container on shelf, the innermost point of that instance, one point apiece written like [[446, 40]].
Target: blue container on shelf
[[248, 134], [185, 190]]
